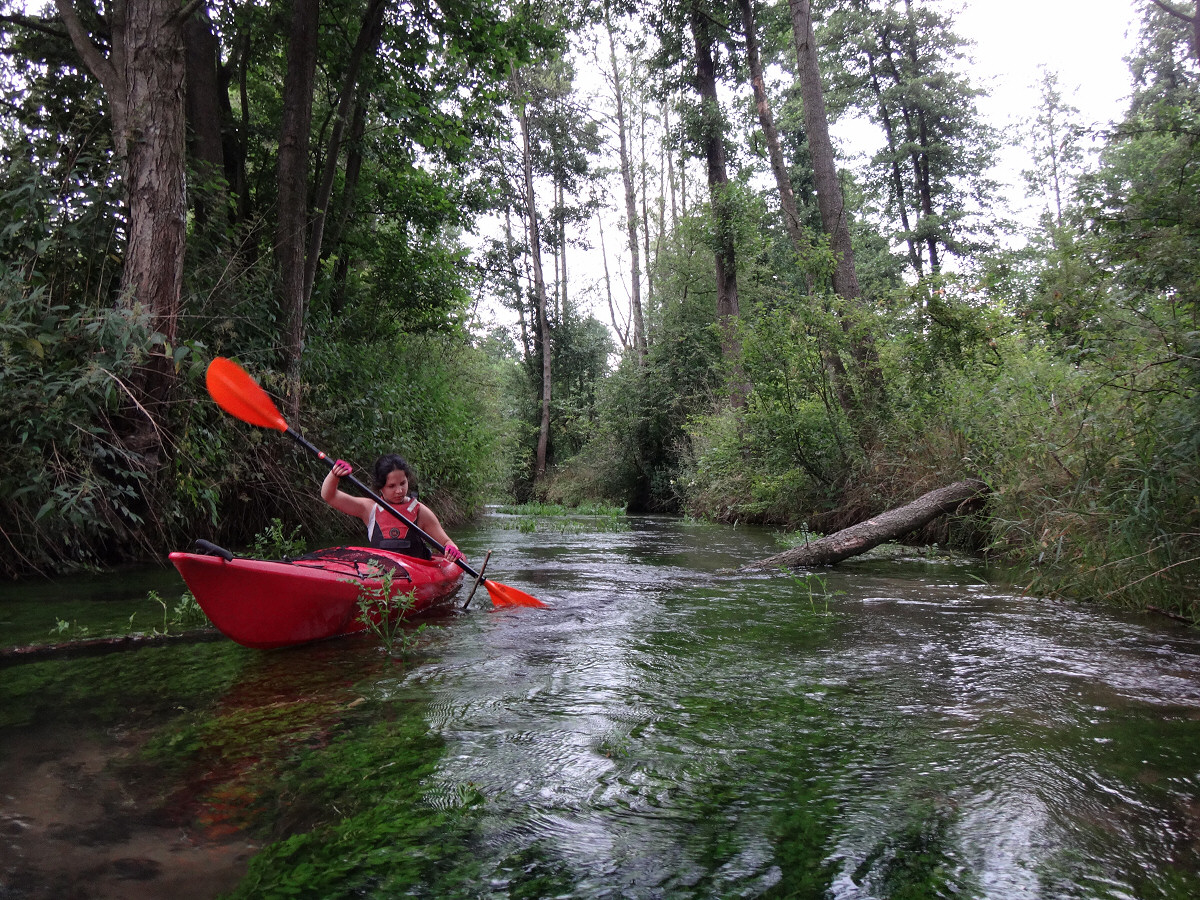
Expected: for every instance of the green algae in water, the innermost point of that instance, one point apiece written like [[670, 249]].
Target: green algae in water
[[149, 683], [360, 821], [92, 606]]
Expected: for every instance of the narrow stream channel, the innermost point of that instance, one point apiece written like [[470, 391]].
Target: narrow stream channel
[[669, 728]]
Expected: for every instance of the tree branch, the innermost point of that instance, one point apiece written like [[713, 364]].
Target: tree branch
[[185, 11], [33, 24], [1167, 8], [98, 64]]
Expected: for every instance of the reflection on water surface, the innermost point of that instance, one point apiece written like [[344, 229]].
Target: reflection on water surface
[[668, 729]]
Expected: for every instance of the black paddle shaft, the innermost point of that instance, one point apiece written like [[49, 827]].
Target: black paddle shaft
[[462, 564]]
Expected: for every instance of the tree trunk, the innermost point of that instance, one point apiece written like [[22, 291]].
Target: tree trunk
[[832, 204], [783, 182], [539, 286], [292, 229], [350, 179], [897, 177], [368, 40], [885, 527], [143, 80], [204, 118], [515, 282], [816, 127], [621, 330], [921, 151], [725, 257], [631, 219]]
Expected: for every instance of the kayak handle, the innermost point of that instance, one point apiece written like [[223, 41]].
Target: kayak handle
[[210, 549]]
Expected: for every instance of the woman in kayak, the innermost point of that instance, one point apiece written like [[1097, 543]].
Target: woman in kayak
[[392, 476]]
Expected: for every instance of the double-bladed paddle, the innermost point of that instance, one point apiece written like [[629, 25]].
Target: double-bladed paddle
[[241, 396]]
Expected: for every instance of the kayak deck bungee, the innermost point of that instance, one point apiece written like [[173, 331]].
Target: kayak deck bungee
[[280, 603]]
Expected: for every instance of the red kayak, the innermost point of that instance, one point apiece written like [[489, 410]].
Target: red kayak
[[264, 604]]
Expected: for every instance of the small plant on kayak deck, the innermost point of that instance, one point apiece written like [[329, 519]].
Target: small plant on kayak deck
[[272, 543], [384, 614]]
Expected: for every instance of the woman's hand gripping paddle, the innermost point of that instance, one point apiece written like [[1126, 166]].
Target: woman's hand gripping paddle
[[240, 396]]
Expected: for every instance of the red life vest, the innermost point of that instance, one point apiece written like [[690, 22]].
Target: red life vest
[[390, 533]]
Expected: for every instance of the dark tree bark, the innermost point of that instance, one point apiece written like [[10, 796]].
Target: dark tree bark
[[143, 80], [369, 35], [539, 285], [292, 229], [783, 182], [885, 527], [816, 128], [236, 132], [832, 204], [725, 256], [204, 115]]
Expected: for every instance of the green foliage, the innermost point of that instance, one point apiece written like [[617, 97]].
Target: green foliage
[[383, 609], [903, 65], [273, 543], [554, 509], [816, 589], [65, 488], [184, 615], [431, 398]]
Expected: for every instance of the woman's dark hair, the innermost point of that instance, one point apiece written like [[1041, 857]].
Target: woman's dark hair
[[392, 462]]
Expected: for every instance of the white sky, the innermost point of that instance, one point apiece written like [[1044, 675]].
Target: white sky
[[1084, 41]]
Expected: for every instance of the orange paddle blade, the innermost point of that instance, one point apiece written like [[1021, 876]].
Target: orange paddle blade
[[503, 595], [239, 395]]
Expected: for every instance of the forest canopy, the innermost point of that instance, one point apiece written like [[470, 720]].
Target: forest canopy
[[382, 209]]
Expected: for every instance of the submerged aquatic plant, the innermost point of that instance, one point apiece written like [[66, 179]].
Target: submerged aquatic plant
[[383, 611], [555, 525], [815, 587], [74, 629], [556, 509], [185, 614]]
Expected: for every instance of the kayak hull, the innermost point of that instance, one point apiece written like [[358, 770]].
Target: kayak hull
[[267, 604]]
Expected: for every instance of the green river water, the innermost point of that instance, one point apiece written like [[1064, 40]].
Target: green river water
[[669, 728]]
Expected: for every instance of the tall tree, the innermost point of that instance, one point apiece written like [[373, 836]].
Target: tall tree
[[1055, 143], [631, 216], [834, 216], [291, 233], [539, 278], [766, 119], [712, 140], [902, 62], [830, 200], [136, 53]]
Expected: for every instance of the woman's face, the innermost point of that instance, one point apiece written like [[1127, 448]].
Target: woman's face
[[395, 489]]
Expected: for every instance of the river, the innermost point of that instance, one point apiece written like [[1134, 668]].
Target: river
[[668, 728]]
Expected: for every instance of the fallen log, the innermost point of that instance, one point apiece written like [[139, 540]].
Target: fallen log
[[10, 656], [885, 527]]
